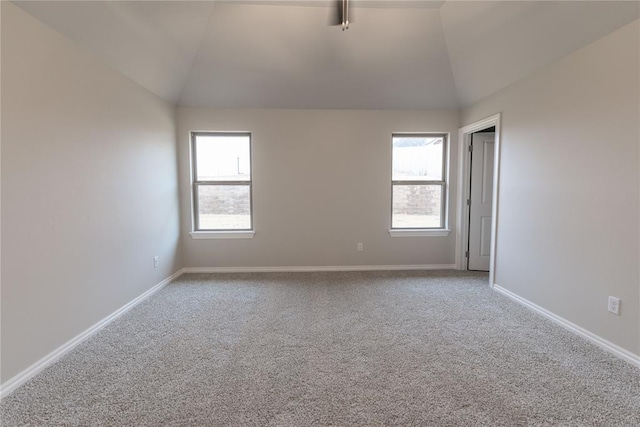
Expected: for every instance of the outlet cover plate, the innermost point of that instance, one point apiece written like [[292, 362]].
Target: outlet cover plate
[[614, 305]]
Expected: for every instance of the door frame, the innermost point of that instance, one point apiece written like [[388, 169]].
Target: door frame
[[464, 191]]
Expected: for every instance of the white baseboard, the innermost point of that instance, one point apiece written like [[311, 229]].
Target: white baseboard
[[292, 269], [24, 376], [630, 357]]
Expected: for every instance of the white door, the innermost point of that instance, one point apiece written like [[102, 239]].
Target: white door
[[483, 145]]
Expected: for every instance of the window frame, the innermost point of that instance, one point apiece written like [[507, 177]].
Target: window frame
[[197, 232], [441, 230]]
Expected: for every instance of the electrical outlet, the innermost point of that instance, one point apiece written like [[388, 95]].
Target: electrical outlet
[[360, 247], [614, 305], [156, 261]]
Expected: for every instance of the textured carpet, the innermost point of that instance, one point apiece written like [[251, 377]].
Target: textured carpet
[[350, 349]]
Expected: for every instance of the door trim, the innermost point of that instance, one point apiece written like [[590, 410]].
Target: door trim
[[464, 176]]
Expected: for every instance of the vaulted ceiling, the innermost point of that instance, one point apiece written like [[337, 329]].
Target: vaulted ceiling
[[398, 54]]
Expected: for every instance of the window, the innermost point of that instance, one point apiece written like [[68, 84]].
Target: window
[[418, 186], [221, 166]]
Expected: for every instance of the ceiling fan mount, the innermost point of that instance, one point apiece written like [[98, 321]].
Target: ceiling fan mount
[[343, 15]]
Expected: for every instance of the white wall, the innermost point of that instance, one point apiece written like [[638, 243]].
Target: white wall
[[321, 184], [568, 232], [89, 192]]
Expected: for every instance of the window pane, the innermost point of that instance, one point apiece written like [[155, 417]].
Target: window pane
[[223, 157], [224, 207], [416, 206], [417, 158]]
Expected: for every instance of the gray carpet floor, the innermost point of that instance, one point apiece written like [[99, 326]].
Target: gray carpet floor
[[345, 349]]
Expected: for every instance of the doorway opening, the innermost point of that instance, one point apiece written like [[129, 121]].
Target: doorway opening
[[478, 183]]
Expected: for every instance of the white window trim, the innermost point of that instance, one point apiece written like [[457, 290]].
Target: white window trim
[[218, 234], [419, 232], [423, 232], [245, 234]]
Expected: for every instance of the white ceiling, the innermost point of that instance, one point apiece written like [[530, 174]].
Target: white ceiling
[[494, 44], [398, 54]]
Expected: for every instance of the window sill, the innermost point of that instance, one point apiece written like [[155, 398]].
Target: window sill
[[243, 234], [419, 232]]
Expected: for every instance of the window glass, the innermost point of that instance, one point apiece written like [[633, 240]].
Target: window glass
[[417, 158], [223, 157], [418, 181], [224, 207], [417, 206], [222, 181]]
